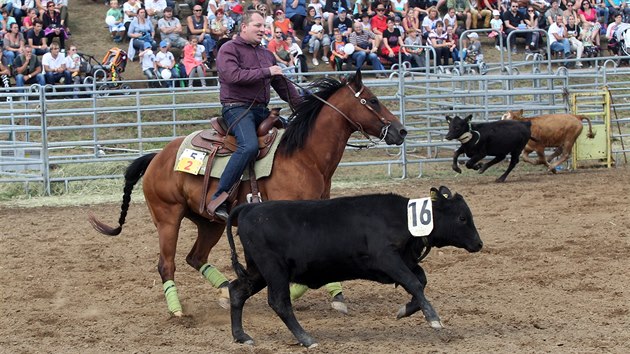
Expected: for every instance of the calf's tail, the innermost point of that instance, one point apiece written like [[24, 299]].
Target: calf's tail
[[134, 172], [590, 134], [236, 265]]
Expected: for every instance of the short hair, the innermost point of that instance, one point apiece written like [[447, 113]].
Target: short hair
[[37, 21], [247, 16]]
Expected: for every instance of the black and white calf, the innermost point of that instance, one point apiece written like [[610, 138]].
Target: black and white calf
[[496, 139], [379, 237]]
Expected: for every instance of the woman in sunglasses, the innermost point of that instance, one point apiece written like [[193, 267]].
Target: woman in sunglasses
[[588, 14]]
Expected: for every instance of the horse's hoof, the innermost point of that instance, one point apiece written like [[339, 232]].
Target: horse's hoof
[[178, 314], [224, 298], [436, 324]]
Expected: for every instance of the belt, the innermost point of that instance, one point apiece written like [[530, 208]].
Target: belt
[[235, 104]]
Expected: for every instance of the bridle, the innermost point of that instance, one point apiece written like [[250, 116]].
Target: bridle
[[357, 126]]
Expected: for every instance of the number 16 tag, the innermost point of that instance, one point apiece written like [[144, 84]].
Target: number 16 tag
[[420, 216]]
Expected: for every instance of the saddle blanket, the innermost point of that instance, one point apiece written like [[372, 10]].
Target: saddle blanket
[[262, 167]]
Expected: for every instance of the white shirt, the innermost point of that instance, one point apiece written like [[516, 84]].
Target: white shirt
[[147, 60], [157, 5], [557, 30], [164, 59], [127, 7], [53, 63]]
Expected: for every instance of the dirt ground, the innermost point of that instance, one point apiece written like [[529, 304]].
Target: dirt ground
[[552, 277]]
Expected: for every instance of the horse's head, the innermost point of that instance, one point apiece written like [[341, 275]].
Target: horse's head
[[370, 116]]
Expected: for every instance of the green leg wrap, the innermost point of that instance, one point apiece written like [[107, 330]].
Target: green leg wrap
[[334, 289], [297, 290], [172, 300], [212, 275]]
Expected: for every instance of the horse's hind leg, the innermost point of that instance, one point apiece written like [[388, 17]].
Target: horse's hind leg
[[168, 221], [208, 234]]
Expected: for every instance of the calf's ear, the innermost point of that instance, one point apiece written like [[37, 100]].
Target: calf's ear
[[449, 119], [520, 113], [436, 195], [446, 192]]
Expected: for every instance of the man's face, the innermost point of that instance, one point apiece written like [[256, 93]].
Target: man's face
[[54, 51], [358, 27], [197, 11], [514, 7], [168, 15], [560, 20], [380, 10], [342, 15], [253, 31], [38, 27]]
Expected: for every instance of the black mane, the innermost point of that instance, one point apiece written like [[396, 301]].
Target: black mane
[[302, 120]]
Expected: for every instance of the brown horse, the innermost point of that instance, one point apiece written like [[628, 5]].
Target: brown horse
[[308, 155]]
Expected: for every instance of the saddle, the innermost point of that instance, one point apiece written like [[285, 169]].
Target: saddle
[[219, 142]]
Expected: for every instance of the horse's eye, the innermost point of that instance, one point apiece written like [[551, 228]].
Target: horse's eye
[[374, 100]]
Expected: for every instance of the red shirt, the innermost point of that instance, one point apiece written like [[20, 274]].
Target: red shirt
[[379, 23]]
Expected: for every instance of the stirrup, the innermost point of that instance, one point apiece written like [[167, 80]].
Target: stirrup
[[215, 203]]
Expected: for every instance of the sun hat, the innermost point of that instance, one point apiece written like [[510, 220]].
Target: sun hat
[[163, 44], [473, 35], [147, 45], [496, 13], [317, 16]]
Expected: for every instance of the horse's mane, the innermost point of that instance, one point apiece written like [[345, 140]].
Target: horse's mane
[[303, 118]]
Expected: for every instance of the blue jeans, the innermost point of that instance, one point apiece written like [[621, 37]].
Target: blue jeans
[[245, 133], [562, 45], [209, 43], [39, 79], [604, 11], [9, 55], [359, 58]]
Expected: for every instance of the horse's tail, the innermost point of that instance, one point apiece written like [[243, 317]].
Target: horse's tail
[[134, 172], [238, 267], [590, 134]]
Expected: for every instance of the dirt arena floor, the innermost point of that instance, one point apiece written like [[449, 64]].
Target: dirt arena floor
[[552, 278]]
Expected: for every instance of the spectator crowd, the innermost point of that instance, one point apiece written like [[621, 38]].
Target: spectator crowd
[[304, 33]]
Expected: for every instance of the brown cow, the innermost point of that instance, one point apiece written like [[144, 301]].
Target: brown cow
[[551, 130]]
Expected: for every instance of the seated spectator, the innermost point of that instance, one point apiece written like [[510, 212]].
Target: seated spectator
[[410, 22], [61, 6], [497, 30], [343, 22], [73, 65], [587, 35], [27, 21], [165, 61], [511, 21], [551, 14], [619, 7], [378, 24], [571, 11], [392, 42], [364, 47], [478, 11], [5, 21], [603, 11], [280, 49], [13, 43], [5, 72], [363, 7], [558, 40], [130, 10], [155, 10], [203, 4], [399, 8], [141, 31], [318, 40], [588, 14], [236, 15], [200, 27], [194, 57], [53, 28], [473, 52], [299, 60], [54, 64], [573, 34], [531, 21], [282, 23], [296, 12], [28, 68], [21, 8], [36, 38], [117, 26], [454, 38], [417, 55], [458, 10], [147, 65], [171, 29], [429, 22], [440, 43], [329, 11], [220, 26], [365, 22], [338, 56]]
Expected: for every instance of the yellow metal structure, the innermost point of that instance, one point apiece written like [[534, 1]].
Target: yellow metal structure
[[595, 106]]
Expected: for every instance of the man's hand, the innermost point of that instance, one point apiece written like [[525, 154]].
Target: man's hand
[[275, 70]]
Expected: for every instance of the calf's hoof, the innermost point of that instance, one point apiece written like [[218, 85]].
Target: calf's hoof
[[402, 312], [457, 169], [224, 297], [500, 180], [436, 324], [307, 342], [244, 339], [339, 304]]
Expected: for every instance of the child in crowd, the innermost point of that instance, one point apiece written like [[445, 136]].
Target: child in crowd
[[414, 37], [114, 19], [317, 6], [497, 29], [147, 63], [365, 21], [299, 60], [338, 56], [454, 39], [194, 57], [165, 61], [472, 54]]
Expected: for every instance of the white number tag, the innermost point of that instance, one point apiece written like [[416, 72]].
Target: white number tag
[[420, 216], [190, 161]]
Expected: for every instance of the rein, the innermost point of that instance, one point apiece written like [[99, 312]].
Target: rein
[[357, 126]]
